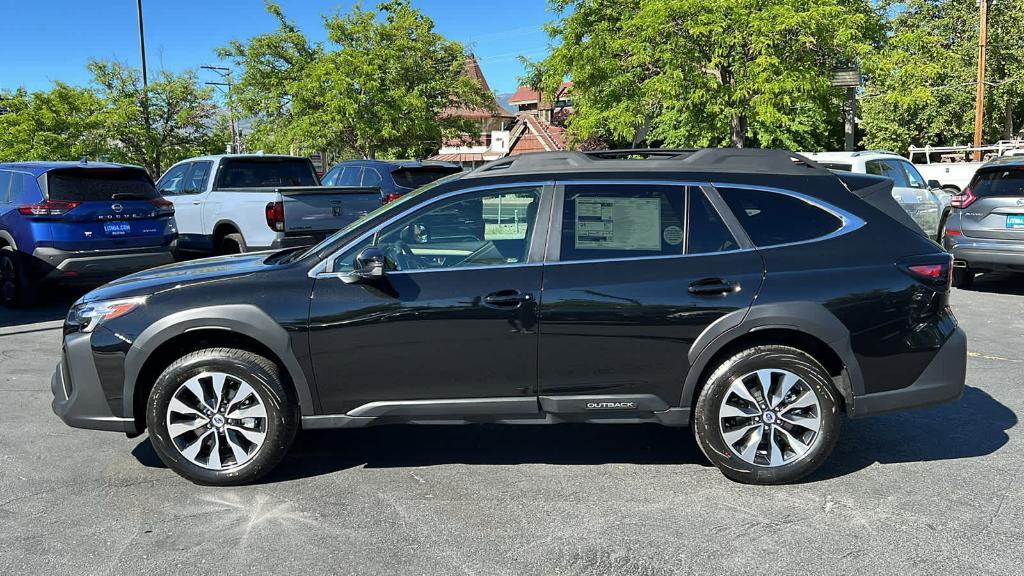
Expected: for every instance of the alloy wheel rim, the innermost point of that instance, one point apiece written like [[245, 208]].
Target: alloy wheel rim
[[770, 417], [217, 421]]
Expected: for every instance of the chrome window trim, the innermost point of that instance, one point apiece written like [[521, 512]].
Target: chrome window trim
[[320, 270], [849, 221]]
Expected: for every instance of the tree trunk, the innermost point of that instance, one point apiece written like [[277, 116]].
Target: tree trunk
[[1008, 120], [641, 131], [738, 131]]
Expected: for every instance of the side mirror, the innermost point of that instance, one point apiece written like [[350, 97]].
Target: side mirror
[[934, 184], [369, 266]]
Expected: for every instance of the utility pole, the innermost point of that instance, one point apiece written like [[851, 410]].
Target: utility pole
[[142, 43], [225, 74], [979, 103]]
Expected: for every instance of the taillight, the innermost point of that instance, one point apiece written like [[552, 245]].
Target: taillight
[[934, 270], [963, 199], [931, 271], [164, 207], [391, 197], [275, 216], [48, 208]]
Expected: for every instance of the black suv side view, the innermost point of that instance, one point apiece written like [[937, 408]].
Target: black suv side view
[[749, 294]]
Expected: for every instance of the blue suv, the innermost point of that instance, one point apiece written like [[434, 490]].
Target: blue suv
[[78, 222]]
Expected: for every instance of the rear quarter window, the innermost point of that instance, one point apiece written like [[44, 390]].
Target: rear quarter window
[[772, 218], [99, 184]]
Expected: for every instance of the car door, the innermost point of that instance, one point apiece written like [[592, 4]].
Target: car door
[[453, 322], [915, 201], [195, 195], [187, 216], [635, 272]]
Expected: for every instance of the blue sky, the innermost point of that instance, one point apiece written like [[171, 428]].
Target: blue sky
[[46, 40]]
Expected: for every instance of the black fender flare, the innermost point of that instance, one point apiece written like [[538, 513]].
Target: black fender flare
[[243, 319], [806, 317]]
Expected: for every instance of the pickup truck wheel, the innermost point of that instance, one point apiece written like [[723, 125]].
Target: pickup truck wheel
[[767, 415], [14, 285], [233, 244], [221, 417]]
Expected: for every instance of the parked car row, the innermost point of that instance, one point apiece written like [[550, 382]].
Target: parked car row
[[750, 294], [92, 222]]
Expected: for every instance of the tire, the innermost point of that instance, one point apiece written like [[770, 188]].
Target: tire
[[963, 278], [233, 244], [15, 288], [242, 454], [748, 456]]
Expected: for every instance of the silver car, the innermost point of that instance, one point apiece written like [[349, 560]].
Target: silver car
[[925, 201], [985, 227]]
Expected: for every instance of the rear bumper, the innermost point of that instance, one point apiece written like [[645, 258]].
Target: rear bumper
[[99, 264], [78, 397], [942, 381], [986, 254]]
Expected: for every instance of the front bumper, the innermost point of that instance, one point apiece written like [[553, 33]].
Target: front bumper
[[78, 396], [942, 381], [101, 264], [986, 254]]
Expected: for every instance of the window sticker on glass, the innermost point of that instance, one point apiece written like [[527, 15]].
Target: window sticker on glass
[[608, 223]]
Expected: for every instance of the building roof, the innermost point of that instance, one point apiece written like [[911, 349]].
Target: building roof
[[528, 95], [471, 68], [458, 157], [550, 136]]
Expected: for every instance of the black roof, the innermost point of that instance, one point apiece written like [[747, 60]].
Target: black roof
[[731, 160]]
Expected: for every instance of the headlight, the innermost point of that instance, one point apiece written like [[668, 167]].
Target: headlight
[[87, 316]]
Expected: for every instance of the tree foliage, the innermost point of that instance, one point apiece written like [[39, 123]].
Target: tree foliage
[[379, 86], [921, 83], [705, 72], [115, 118]]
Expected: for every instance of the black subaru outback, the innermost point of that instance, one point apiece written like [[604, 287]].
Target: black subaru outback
[[750, 294]]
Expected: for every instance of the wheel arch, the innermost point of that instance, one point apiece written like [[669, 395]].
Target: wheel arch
[[804, 325], [238, 326], [7, 240], [222, 228]]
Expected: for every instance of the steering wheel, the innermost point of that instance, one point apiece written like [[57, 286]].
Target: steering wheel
[[402, 255]]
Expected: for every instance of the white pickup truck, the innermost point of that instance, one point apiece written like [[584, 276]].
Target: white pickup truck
[[951, 165], [238, 203]]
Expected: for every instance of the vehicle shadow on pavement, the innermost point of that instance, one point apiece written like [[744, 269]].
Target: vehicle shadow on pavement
[[325, 451], [52, 304], [999, 283], [974, 426]]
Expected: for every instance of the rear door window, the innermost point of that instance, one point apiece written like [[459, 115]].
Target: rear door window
[[371, 177], [890, 169], [1009, 182], [772, 218], [621, 221], [99, 184], [350, 176], [265, 173]]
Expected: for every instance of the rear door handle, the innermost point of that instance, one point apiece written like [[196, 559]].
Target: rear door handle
[[505, 299], [713, 287]]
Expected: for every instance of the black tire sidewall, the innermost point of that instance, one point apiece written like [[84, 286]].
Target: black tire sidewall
[[706, 422], [20, 277], [282, 417]]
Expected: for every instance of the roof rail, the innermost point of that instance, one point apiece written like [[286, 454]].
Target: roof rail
[[641, 153], [859, 152]]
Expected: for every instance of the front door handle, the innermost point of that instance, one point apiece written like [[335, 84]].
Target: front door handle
[[713, 287], [507, 299]]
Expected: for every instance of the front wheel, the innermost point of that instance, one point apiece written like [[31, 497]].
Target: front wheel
[[767, 415], [221, 416]]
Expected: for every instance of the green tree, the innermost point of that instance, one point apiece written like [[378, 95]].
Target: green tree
[[379, 86], [174, 117], [706, 72], [60, 124], [921, 83]]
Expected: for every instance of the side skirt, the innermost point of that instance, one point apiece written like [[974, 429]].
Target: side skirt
[[592, 409]]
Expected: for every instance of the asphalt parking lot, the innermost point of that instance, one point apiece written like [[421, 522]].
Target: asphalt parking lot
[[936, 491]]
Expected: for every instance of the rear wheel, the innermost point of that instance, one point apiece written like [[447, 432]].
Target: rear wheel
[[14, 285], [233, 244], [221, 416], [767, 415]]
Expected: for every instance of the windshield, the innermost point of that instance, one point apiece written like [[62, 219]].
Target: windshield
[[395, 205]]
